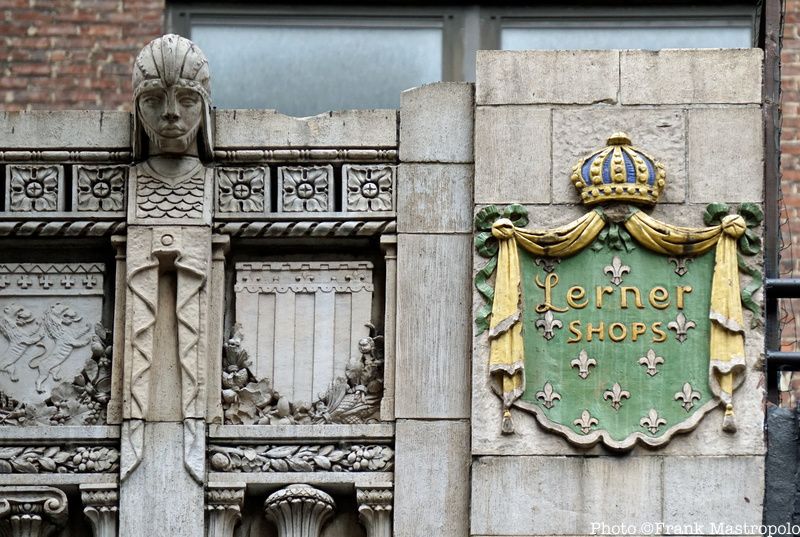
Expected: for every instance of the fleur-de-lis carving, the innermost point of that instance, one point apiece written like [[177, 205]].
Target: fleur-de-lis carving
[[616, 394], [547, 324], [688, 396], [681, 325], [652, 422], [583, 363], [616, 270], [681, 263], [585, 422], [548, 264], [548, 395], [651, 361]]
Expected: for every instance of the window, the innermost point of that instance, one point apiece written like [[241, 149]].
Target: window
[[304, 60]]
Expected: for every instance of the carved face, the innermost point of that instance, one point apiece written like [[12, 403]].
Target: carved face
[[171, 117]]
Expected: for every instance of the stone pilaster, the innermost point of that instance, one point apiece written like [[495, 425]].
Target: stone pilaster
[[31, 511], [223, 508], [299, 510], [375, 509], [100, 506]]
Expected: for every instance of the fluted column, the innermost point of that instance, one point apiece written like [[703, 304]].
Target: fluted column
[[31, 511], [375, 509], [100, 506], [223, 508], [299, 510]]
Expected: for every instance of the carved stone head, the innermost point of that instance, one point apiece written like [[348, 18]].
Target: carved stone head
[[171, 99]]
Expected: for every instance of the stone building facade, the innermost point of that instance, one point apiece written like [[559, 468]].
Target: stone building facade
[[269, 326]]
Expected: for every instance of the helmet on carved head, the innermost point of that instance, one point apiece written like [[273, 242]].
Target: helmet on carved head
[[172, 60]]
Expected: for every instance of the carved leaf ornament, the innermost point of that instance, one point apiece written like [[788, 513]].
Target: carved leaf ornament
[[688, 321]]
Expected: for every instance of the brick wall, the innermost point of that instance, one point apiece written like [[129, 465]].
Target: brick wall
[[790, 171], [72, 54]]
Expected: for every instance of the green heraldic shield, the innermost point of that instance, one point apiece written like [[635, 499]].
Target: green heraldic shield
[[617, 328]]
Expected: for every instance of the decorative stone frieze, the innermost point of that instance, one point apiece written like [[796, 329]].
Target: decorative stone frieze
[[60, 228], [301, 458], [375, 509], [34, 188], [369, 188], [99, 189], [31, 511], [326, 155], [49, 323], [305, 188], [242, 190], [58, 460], [299, 510], [223, 508], [305, 321], [100, 506], [304, 228]]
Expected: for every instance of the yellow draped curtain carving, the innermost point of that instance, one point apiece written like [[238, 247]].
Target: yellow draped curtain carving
[[506, 359]]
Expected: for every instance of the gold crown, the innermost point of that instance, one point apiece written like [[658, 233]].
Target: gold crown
[[619, 172]]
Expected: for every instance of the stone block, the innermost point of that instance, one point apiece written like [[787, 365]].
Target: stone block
[[433, 326], [512, 154], [436, 123], [690, 76], [563, 495], [659, 132], [65, 129], [434, 198], [269, 128], [725, 155], [547, 76], [705, 490], [160, 497], [432, 468]]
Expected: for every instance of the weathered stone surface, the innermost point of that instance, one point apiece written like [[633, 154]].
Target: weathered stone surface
[[512, 154], [433, 326], [781, 466], [690, 76], [553, 495], [268, 128], [725, 155], [173, 503], [542, 76], [436, 123], [713, 489], [434, 198], [65, 129], [659, 132], [432, 469]]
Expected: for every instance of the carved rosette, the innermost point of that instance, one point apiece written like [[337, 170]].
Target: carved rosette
[[369, 188], [34, 188], [305, 188], [299, 510], [100, 188], [223, 509], [31, 511], [100, 506], [375, 509]]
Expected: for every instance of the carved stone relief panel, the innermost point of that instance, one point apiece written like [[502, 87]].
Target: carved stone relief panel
[[303, 321], [34, 188], [242, 190], [99, 189], [305, 188], [49, 330], [369, 188]]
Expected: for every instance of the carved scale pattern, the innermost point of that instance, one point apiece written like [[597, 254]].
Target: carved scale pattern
[[161, 200]]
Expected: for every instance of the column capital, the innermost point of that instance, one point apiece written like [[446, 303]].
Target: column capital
[[375, 508], [299, 510], [223, 508], [100, 506], [31, 511]]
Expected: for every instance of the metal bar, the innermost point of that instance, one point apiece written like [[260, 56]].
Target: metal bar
[[772, 36], [784, 360], [782, 287]]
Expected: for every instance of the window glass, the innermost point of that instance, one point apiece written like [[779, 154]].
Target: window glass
[[303, 69], [662, 34]]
